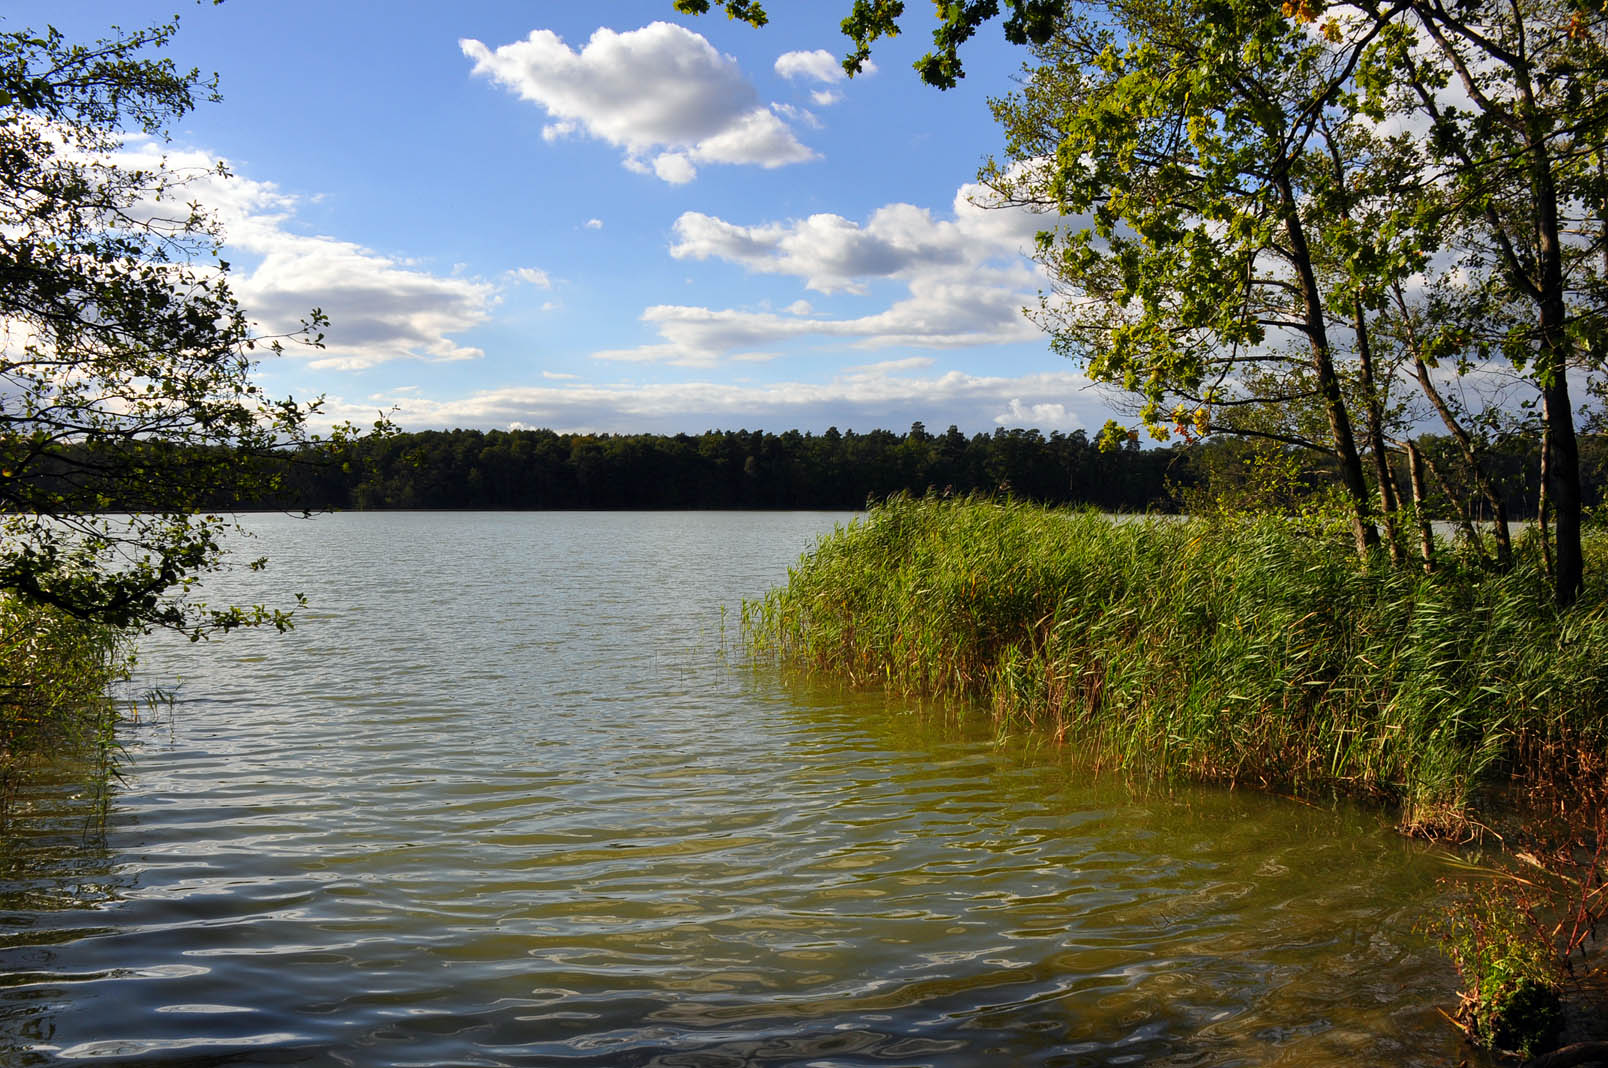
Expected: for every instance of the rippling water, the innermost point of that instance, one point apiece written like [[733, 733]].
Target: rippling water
[[503, 798]]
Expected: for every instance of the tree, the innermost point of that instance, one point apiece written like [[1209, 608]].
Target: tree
[[125, 377], [1463, 138], [1195, 141], [1503, 104]]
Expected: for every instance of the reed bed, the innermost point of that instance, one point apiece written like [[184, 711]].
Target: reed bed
[[56, 676], [1240, 651]]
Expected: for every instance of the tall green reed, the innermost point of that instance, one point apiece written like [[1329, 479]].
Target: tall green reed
[[56, 676], [1243, 650]]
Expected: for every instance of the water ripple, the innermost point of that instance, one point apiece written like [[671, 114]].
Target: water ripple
[[511, 805]]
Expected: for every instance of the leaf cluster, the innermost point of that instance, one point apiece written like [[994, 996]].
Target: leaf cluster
[[120, 333]]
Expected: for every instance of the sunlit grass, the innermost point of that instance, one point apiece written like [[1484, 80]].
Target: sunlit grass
[[1244, 651]]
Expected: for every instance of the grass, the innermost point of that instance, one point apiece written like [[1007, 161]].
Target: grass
[[1239, 651], [55, 676]]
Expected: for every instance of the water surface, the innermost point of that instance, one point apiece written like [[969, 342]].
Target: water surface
[[508, 796]]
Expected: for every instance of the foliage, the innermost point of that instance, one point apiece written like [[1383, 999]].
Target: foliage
[[958, 20], [539, 469], [1225, 226], [1511, 991], [1250, 651], [125, 377], [55, 671]]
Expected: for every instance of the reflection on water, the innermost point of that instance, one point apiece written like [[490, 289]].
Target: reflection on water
[[503, 799]]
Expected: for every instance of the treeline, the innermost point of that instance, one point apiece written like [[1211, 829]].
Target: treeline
[[541, 469]]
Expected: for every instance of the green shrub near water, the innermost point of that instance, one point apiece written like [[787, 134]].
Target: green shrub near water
[[1244, 651], [55, 677]]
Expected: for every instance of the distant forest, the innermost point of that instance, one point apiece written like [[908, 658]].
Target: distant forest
[[541, 469]]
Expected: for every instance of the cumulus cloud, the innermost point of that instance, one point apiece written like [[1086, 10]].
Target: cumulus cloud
[[534, 276], [662, 93], [381, 307], [817, 65], [832, 253], [594, 224], [797, 114], [1043, 414], [820, 65], [890, 394]]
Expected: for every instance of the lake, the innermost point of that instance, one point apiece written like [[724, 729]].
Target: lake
[[510, 795]]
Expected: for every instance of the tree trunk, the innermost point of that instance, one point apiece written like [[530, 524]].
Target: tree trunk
[[1426, 534], [1388, 501], [1345, 443], [1562, 451], [1562, 459], [1465, 442]]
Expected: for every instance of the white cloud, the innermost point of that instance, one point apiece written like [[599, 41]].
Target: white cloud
[[533, 276], [797, 114], [381, 307], [834, 254], [892, 394], [674, 167], [938, 313], [819, 64], [1044, 414], [662, 93], [825, 98], [966, 279], [594, 224]]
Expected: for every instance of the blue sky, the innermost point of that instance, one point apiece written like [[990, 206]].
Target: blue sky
[[609, 217]]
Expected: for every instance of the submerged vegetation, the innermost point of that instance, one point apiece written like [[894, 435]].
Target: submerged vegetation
[[1238, 650]]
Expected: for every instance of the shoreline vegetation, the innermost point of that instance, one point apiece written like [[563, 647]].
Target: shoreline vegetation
[[1245, 651], [1255, 650], [57, 676]]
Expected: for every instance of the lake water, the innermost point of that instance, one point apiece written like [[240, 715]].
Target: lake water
[[508, 795]]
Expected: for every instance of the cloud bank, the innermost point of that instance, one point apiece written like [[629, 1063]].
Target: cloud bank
[[966, 280], [890, 395]]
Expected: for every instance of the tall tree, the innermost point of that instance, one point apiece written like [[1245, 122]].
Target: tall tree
[[1194, 141], [1498, 125], [1505, 105]]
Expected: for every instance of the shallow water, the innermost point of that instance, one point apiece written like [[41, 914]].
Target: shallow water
[[508, 795]]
